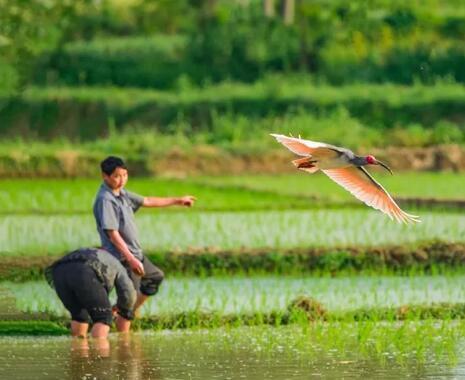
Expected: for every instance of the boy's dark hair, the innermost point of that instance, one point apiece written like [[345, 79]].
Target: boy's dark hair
[[109, 164]]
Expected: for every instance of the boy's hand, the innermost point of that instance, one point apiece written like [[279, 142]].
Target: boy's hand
[[136, 266], [187, 200]]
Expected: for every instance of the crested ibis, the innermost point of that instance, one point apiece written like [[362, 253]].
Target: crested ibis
[[346, 169]]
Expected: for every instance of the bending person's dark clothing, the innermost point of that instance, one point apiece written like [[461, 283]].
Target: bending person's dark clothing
[[81, 292], [83, 280]]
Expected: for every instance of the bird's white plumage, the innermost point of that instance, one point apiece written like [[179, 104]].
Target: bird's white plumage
[[353, 178]]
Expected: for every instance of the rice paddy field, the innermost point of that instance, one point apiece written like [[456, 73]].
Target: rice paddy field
[[238, 212], [266, 294], [252, 325], [222, 193], [321, 351], [56, 234], [268, 276]]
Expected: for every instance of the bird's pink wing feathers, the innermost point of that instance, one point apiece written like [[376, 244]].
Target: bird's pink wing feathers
[[359, 183], [306, 147]]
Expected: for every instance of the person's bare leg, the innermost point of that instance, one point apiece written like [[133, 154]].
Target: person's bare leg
[[141, 298], [79, 329], [123, 325], [100, 330]]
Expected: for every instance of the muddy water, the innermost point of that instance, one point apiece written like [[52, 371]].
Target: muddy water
[[243, 353]]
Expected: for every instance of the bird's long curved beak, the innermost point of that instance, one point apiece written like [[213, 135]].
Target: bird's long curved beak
[[385, 166]]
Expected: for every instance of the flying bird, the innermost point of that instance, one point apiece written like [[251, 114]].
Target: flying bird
[[347, 170]]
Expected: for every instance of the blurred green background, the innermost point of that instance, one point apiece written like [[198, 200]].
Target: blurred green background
[[211, 78]]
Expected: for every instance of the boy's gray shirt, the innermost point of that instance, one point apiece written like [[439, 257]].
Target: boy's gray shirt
[[116, 212]]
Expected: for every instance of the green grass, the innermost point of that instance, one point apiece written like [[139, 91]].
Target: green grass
[[16, 328], [51, 235], [41, 196], [442, 185], [222, 193]]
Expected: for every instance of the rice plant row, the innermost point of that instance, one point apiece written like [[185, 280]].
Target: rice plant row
[[262, 295], [35, 235]]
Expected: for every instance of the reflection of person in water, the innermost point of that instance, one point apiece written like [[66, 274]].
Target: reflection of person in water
[[90, 360], [131, 362], [94, 359], [83, 280], [80, 347]]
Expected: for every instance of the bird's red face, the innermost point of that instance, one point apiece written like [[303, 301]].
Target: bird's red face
[[371, 160]]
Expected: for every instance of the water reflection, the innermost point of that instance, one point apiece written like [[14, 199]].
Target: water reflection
[[89, 359], [130, 359], [250, 353], [123, 358]]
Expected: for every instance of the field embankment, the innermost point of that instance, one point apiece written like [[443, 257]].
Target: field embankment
[[74, 161], [434, 257], [303, 311]]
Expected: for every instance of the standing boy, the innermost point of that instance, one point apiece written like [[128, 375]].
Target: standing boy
[[114, 209]]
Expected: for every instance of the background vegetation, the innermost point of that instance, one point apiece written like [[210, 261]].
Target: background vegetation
[[226, 73]]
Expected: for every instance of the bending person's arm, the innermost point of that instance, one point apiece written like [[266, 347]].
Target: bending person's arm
[[126, 298], [122, 247]]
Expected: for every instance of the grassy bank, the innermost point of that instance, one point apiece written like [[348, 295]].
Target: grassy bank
[[369, 322], [324, 261]]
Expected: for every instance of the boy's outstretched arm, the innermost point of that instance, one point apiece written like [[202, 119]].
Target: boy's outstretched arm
[[186, 200]]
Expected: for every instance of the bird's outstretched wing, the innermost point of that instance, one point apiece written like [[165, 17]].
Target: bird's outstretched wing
[[308, 148], [363, 186]]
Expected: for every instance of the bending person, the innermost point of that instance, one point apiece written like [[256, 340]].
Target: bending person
[[83, 280]]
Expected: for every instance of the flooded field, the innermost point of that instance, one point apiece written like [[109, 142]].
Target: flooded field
[[326, 351], [269, 293]]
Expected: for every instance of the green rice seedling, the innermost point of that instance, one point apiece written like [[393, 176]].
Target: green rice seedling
[[34, 328], [350, 298], [53, 235]]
